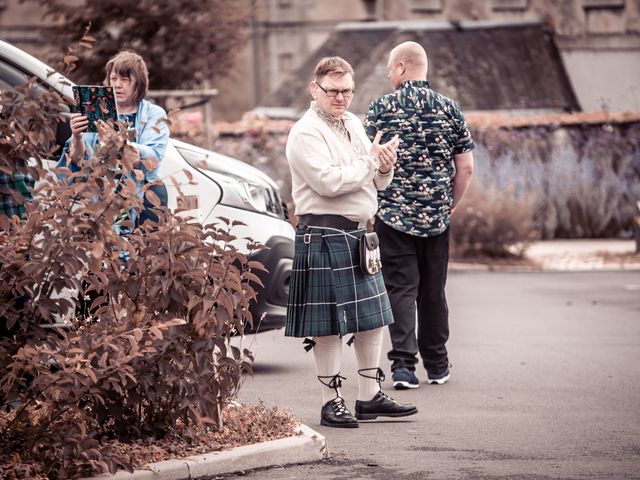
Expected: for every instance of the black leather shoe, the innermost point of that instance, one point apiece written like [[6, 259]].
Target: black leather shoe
[[382, 405], [335, 413]]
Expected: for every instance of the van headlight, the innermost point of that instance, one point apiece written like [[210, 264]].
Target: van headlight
[[237, 191], [255, 196], [240, 193]]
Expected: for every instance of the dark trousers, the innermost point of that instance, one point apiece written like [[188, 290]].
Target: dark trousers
[[415, 273], [148, 213]]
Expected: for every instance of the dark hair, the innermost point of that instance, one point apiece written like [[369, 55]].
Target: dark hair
[[332, 66], [130, 64]]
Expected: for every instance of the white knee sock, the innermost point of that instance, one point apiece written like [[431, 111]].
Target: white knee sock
[[368, 347], [327, 353]]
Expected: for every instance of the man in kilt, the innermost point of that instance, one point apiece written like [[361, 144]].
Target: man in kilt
[[336, 172]]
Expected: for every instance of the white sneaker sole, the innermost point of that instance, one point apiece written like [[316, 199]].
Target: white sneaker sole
[[404, 385], [438, 381]]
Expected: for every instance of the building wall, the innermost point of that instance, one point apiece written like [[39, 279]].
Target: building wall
[[19, 23], [605, 80], [295, 28], [599, 40], [568, 17]]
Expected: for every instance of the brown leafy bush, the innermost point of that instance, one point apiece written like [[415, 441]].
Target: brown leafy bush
[[492, 223], [153, 356], [585, 179]]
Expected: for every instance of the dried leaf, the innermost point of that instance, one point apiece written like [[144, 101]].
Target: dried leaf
[[70, 59], [137, 334], [98, 249], [155, 331], [153, 198]]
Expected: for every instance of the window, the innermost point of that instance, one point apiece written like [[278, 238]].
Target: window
[[11, 77], [430, 6], [509, 4], [285, 62], [588, 4]]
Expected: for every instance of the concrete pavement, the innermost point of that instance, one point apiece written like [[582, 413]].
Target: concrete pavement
[[519, 403], [545, 385]]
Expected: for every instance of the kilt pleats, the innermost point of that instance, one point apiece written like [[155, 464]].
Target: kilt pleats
[[328, 293]]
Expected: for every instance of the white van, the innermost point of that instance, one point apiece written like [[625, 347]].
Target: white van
[[227, 188]]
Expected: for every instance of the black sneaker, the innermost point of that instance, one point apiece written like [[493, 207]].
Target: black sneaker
[[403, 378], [382, 405], [335, 413]]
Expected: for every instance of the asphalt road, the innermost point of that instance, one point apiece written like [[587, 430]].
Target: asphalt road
[[545, 385]]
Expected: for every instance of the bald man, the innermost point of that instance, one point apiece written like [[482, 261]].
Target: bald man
[[433, 170]]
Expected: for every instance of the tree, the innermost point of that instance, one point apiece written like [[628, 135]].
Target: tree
[[183, 41]]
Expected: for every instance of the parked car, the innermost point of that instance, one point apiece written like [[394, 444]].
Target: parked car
[[226, 187]]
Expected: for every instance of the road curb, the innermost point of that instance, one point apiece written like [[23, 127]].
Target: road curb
[[584, 255], [461, 267], [309, 446]]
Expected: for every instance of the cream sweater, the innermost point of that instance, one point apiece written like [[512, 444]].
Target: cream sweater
[[331, 175]]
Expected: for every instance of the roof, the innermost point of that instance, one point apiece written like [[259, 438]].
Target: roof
[[482, 65]]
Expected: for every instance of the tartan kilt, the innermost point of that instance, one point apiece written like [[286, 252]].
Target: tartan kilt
[[328, 292]]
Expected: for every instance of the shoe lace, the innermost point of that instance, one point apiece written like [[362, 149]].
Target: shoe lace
[[335, 382], [384, 395], [339, 406], [379, 376]]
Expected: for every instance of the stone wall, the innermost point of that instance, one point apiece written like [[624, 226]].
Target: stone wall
[[580, 172]]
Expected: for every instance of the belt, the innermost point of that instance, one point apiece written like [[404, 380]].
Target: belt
[[327, 220]]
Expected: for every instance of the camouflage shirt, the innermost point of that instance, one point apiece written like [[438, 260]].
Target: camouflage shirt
[[432, 130]]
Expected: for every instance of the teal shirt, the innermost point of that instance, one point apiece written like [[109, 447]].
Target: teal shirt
[[432, 130]]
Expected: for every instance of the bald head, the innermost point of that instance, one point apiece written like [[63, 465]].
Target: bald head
[[413, 59]]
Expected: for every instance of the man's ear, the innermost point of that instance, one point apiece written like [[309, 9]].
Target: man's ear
[[313, 88]]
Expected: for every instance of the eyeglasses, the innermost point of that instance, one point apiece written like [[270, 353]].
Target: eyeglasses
[[334, 93]]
